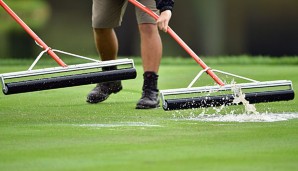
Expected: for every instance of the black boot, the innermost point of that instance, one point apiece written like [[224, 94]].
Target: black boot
[[149, 97], [103, 90]]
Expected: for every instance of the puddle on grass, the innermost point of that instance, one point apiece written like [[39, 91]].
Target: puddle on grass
[[250, 114], [220, 115], [260, 117], [122, 124]]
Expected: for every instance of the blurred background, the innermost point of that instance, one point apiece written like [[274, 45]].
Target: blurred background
[[209, 27]]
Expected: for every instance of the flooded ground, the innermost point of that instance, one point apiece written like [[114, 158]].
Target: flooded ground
[[259, 117]]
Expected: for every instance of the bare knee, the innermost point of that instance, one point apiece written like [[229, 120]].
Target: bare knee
[[103, 31], [148, 29]]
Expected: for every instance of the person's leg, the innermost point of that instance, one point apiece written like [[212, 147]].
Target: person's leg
[[107, 46], [106, 15], [106, 43], [151, 47], [151, 52]]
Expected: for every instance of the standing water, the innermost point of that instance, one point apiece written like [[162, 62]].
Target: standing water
[[250, 115]]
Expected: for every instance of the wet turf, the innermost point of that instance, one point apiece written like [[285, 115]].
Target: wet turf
[[58, 130]]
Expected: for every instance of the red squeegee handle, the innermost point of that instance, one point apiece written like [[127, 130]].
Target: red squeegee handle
[[181, 43], [32, 34]]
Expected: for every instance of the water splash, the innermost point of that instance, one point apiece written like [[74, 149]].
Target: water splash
[[239, 97], [263, 117]]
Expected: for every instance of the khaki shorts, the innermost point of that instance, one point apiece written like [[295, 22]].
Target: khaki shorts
[[109, 13]]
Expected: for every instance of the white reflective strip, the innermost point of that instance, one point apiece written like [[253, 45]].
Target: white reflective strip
[[68, 68], [227, 87]]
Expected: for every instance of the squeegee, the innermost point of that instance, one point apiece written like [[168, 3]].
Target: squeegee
[[64, 75], [220, 94]]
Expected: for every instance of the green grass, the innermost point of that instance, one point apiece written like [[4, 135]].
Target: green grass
[[43, 130]]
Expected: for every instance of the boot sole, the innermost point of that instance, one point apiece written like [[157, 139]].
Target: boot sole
[[147, 107], [102, 99]]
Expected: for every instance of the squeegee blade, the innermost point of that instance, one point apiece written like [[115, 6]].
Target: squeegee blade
[[68, 81], [227, 99], [61, 77]]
